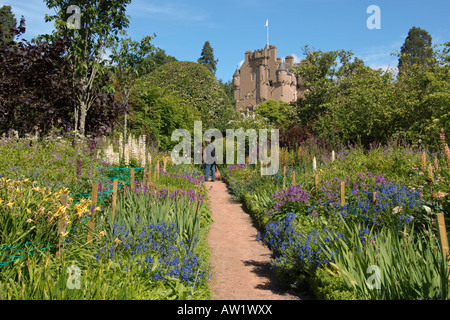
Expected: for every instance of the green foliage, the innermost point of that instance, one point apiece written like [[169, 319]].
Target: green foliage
[[156, 58], [193, 84], [327, 284], [278, 113], [407, 266], [158, 114], [229, 90]]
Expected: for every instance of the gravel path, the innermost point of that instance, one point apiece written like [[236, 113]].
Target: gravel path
[[240, 264]]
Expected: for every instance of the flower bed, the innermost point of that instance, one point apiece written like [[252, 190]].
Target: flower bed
[[332, 249]]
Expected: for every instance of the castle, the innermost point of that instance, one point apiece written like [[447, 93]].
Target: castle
[[263, 76]]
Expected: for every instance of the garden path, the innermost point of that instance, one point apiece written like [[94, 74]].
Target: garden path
[[240, 264]]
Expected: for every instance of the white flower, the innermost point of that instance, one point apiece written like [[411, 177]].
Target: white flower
[[396, 210]]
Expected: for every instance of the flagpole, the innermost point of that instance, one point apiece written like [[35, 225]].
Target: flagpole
[[267, 25]]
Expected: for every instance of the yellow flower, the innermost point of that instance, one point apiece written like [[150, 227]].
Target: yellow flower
[[28, 210], [30, 220], [117, 240], [10, 204], [1, 201], [102, 233], [61, 208], [63, 234]]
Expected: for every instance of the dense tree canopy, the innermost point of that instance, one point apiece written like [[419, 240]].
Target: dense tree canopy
[[194, 84], [348, 101]]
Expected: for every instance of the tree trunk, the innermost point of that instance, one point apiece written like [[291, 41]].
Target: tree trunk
[[83, 113]]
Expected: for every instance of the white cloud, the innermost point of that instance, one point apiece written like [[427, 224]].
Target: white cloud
[[297, 59], [385, 67]]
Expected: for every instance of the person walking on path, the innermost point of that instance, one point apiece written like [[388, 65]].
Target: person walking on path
[[209, 160]]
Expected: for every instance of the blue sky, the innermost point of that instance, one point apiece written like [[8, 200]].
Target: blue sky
[[235, 26]]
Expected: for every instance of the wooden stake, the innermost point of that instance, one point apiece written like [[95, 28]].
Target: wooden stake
[[144, 174], [132, 179], [261, 168], [198, 207], [316, 181], [342, 193], [440, 221], [64, 199], [114, 198], [374, 198], [158, 170], [165, 163], [149, 175], [93, 206], [443, 239]]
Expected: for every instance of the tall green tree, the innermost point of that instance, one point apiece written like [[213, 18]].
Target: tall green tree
[[7, 22], [99, 25], [207, 58], [128, 56], [229, 90], [156, 58], [417, 49]]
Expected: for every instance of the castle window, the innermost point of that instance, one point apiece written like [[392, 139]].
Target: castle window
[[270, 83], [253, 76], [268, 73]]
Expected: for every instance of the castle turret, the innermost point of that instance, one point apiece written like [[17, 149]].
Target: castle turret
[[282, 73], [237, 78], [290, 60]]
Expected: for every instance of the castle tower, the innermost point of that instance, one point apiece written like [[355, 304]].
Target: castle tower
[[264, 76]]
